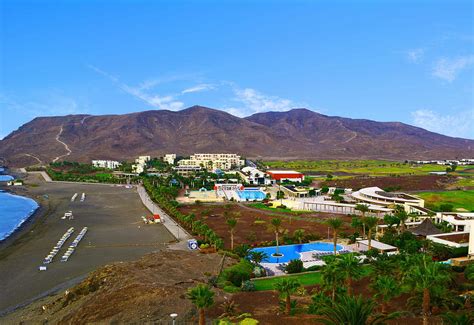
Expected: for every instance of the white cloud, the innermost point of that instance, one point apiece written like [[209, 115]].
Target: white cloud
[[50, 104], [449, 68], [415, 55], [142, 92], [459, 125], [256, 102], [198, 88]]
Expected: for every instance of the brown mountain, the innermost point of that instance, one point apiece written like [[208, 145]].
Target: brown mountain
[[299, 133]]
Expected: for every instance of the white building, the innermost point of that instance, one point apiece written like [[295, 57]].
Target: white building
[[140, 164], [213, 161], [253, 176], [169, 158], [377, 196], [110, 164]]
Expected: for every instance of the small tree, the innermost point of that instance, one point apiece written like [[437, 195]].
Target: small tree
[[276, 227], [371, 223], [299, 235], [335, 224], [231, 222], [257, 257], [386, 288], [202, 297], [286, 287], [363, 209]]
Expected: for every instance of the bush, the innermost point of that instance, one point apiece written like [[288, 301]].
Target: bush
[[242, 250], [248, 286], [294, 266], [239, 272], [231, 289], [446, 207], [313, 268]]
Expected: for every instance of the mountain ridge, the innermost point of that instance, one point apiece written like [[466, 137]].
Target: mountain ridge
[[296, 134]]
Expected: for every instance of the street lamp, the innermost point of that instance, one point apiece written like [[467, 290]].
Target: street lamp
[[173, 316]]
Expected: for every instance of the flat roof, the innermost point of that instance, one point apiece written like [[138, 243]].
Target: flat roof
[[378, 245]]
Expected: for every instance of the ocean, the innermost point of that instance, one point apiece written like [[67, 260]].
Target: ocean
[[14, 210]]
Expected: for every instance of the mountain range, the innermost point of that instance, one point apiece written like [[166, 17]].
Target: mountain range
[[295, 134]]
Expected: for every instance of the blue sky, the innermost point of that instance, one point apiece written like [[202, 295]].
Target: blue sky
[[409, 61]]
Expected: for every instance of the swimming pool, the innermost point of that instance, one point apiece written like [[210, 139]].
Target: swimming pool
[[251, 194], [291, 252]]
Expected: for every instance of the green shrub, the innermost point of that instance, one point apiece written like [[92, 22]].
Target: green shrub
[[248, 286], [239, 272], [313, 268], [231, 289], [294, 266]]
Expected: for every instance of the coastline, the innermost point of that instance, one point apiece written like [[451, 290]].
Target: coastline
[[27, 225]]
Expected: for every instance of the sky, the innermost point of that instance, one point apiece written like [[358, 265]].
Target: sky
[[409, 61]]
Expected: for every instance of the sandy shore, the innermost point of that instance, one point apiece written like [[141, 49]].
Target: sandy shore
[[116, 233]]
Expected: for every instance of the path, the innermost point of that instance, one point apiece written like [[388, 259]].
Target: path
[[174, 228], [64, 144], [32, 156]]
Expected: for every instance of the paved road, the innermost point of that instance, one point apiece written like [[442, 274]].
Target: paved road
[[174, 228]]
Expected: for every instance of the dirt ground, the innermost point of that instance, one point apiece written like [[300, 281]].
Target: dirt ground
[[253, 224], [402, 183], [143, 291]]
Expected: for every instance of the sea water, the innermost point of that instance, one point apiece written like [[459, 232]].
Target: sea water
[[14, 210]]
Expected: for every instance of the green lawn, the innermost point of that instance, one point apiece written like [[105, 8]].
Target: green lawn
[[306, 279], [366, 167], [459, 199]]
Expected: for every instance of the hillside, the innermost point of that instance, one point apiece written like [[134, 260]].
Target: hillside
[[299, 133]]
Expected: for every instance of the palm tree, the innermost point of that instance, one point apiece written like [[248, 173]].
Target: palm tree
[[458, 318], [336, 225], [257, 257], [370, 222], [202, 297], [349, 267], [331, 278], [425, 277], [276, 227], [299, 235], [286, 287], [231, 222], [352, 311], [402, 215], [363, 208], [386, 288]]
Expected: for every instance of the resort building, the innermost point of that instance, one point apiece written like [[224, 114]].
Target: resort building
[[286, 175], [187, 170], [110, 164], [253, 176], [295, 191], [377, 196], [169, 158], [140, 164], [213, 161], [459, 221]]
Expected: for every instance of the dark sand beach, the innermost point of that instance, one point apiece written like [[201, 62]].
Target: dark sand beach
[[116, 233]]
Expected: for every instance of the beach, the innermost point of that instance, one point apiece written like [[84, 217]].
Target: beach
[[115, 233]]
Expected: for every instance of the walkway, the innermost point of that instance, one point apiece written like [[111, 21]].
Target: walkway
[[174, 228], [64, 144]]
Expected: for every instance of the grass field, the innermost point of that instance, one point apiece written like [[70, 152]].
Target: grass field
[[306, 279], [362, 167], [459, 199]]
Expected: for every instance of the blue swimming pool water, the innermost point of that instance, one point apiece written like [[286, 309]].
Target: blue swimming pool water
[[291, 252], [14, 210], [6, 178], [251, 194]]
